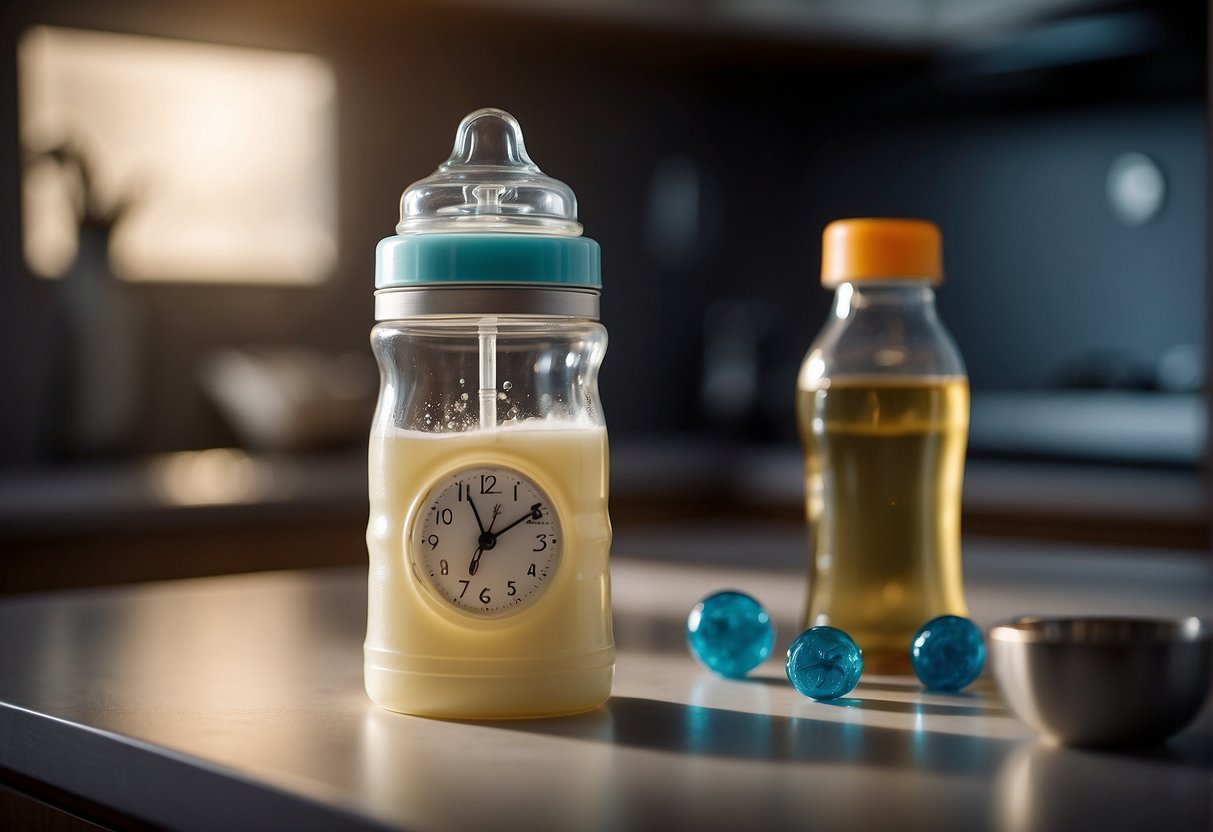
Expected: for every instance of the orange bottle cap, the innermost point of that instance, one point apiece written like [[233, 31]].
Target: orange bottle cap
[[880, 249]]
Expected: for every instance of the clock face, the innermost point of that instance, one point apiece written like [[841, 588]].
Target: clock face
[[487, 542]]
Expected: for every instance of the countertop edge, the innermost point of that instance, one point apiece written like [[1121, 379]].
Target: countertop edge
[[155, 784]]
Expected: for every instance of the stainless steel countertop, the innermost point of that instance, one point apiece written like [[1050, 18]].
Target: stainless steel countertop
[[237, 702]]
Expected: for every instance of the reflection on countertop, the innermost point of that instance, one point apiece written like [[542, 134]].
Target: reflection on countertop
[[243, 694]]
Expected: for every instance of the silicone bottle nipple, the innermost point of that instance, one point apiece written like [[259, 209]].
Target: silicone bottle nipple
[[489, 185]]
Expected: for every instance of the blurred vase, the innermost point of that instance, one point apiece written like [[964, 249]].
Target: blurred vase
[[97, 389]]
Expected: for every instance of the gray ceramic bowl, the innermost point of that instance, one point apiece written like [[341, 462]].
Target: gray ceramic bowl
[[1103, 681]]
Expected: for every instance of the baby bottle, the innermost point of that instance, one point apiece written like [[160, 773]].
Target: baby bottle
[[489, 591], [883, 414]]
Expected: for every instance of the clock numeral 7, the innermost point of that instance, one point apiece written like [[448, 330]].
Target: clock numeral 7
[[466, 584]]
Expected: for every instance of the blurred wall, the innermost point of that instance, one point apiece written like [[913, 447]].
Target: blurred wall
[[780, 137]]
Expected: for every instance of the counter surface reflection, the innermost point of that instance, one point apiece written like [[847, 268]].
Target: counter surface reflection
[[237, 702]]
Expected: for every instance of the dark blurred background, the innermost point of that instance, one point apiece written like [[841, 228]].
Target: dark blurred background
[[187, 392]]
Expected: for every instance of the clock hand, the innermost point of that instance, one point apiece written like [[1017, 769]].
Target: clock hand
[[479, 523], [533, 514], [487, 540]]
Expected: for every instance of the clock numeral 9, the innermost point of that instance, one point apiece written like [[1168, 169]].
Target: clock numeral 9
[[433, 541]]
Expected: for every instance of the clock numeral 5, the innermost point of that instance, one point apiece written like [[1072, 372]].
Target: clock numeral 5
[[513, 589]]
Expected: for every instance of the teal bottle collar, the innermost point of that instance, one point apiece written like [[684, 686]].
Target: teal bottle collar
[[437, 259]]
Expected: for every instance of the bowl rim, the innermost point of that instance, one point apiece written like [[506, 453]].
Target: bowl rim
[[1058, 630]]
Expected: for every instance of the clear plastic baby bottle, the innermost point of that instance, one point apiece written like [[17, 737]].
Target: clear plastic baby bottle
[[489, 537], [883, 412]]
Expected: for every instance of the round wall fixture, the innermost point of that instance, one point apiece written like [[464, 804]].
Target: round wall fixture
[[1136, 188]]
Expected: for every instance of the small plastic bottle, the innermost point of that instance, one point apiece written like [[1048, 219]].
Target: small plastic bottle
[[883, 414]]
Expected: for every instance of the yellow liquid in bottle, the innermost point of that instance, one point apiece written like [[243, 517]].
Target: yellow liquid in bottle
[[884, 463], [557, 655]]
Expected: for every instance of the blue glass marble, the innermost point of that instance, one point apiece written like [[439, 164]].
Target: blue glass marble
[[730, 633], [947, 653], [824, 663]]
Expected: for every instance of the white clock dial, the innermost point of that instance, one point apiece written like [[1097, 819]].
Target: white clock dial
[[487, 541]]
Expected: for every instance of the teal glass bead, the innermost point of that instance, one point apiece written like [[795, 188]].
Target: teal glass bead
[[824, 663], [730, 633], [947, 653]]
